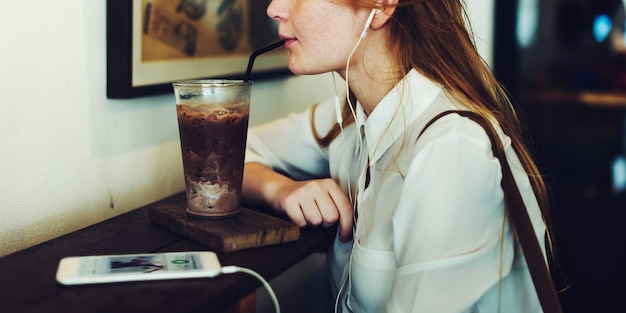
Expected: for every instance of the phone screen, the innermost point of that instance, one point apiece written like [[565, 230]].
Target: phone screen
[[139, 264]]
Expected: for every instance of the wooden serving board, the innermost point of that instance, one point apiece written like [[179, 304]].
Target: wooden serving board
[[249, 229]]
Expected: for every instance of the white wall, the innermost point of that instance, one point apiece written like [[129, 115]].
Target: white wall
[[481, 16], [70, 157]]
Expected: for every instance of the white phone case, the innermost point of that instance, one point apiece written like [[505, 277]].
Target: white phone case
[[137, 267]]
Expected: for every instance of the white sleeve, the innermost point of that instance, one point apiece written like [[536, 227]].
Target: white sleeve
[[447, 227], [288, 146]]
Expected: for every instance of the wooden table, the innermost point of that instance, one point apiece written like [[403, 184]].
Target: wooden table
[[27, 278]]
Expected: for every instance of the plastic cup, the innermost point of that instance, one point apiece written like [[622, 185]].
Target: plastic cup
[[213, 127]]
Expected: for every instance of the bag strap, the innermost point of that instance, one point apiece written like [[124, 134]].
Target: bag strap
[[518, 215]]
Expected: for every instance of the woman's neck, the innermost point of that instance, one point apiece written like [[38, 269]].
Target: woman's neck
[[371, 74]]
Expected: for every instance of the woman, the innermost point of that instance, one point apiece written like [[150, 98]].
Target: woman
[[422, 225]]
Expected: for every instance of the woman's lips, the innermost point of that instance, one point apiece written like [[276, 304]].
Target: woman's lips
[[288, 42]]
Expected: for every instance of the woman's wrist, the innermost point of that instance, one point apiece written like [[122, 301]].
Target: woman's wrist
[[262, 184]]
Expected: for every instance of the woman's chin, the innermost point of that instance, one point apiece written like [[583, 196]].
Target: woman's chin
[[305, 71]]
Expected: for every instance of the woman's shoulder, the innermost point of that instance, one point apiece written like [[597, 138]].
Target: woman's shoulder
[[448, 130]]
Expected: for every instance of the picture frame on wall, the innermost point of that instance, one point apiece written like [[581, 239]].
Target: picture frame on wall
[[152, 43]]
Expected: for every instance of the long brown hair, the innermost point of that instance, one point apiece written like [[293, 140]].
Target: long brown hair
[[433, 37]]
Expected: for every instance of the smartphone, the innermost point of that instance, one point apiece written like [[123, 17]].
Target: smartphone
[[79, 270]]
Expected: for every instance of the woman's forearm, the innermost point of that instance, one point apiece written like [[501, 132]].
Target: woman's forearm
[[311, 202], [259, 184]]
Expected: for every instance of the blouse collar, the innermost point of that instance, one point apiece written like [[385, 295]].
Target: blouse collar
[[398, 109]]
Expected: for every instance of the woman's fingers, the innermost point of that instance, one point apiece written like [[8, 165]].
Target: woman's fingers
[[318, 202], [311, 211], [346, 215]]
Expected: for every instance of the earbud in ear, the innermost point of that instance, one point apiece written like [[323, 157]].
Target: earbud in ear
[[370, 18]]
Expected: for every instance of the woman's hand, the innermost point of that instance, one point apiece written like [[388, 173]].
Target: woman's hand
[[314, 203], [319, 202]]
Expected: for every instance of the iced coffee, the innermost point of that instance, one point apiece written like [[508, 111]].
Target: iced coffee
[[213, 128]]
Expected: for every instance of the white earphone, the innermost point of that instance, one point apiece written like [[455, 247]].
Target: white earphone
[[370, 18], [338, 112], [337, 102], [367, 25]]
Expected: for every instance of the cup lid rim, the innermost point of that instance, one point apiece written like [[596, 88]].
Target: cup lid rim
[[211, 82]]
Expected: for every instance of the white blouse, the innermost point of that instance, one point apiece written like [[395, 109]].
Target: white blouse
[[429, 225]]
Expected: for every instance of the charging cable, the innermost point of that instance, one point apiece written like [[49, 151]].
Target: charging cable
[[236, 269]]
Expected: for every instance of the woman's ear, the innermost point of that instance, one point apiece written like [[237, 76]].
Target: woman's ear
[[386, 8]]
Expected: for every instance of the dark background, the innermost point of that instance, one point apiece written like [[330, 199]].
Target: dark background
[[575, 142]]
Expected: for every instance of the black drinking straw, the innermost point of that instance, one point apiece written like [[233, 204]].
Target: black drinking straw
[[256, 53]]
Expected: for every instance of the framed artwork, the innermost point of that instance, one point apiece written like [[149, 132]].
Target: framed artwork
[[152, 43]]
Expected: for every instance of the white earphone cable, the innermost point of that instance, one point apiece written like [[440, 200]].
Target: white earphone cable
[[370, 18], [340, 122], [235, 269]]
